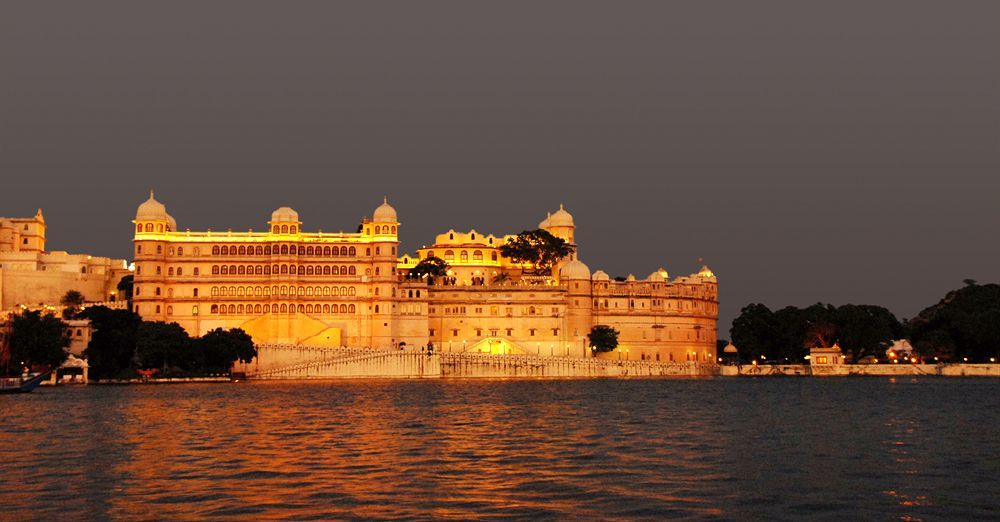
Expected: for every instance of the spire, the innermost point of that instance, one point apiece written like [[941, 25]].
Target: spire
[[39, 216], [385, 200], [151, 194], [561, 207]]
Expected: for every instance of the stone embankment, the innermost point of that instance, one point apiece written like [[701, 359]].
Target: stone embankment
[[299, 362], [946, 370]]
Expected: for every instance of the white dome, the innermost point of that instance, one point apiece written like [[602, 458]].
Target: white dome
[[384, 213], [601, 275], [151, 210], [284, 215], [575, 269], [561, 218], [659, 276]]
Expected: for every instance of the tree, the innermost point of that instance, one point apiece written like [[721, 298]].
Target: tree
[[965, 324], [125, 288], [221, 348], [166, 346], [603, 338], [864, 330], [537, 247], [429, 267], [72, 301], [36, 339], [754, 332], [111, 351]]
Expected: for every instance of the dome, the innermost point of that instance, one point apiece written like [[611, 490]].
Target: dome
[[706, 272], [730, 348], [172, 222], [659, 276], [601, 275], [630, 278], [574, 270], [545, 222], [151, 210], [561, 218], [385, 213], [284, 215]]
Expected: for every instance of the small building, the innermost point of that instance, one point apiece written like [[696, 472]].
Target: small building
[[826, 356]]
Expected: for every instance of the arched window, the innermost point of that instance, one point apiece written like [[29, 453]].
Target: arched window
[[301, 309], [350, 309], [274, 269], [284, 308], [215, 291], [180, 251], [284, 290], [243, 250], [232, 309], [418, 294], [302, 291], [258, 270], [378, 251], [225, 250], [335, 292], [309, 308], [449, 255], [293, 229], [477, 255], [215, 250], [180, 270], [352, 291], [376, 308], [326, 270], [368, 251], [215, 309], [239, 309], [149, 227], [267, 309], [352, 251], [326, 251], [393, 230], [284, 249], [274, 229], [343, 309], [326, 309], [430, 253], [302, 250], [170, 271], [267, 269], [302, 270], [284, 229], [336, 270], [326, 290], [493, 256], [225, 270], [377, 270], [138, 227], [284, 269], [309, 251], [343, 251], [343, 270], [465, 256], [223, 290], [267, 250], [257, 309], [240, 291], [241, 270], [309, 270]]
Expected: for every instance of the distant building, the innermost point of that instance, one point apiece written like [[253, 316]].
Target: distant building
[[826, 356], [285, 285], [31, 275]]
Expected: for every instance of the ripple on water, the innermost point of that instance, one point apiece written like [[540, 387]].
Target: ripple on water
[[782, 448]]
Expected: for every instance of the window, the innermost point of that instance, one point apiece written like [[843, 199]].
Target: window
[[449, 255], [531, 332], [284, 229], [493, 256], [464, 257], [195, 292], [477, 255], [293, 229]]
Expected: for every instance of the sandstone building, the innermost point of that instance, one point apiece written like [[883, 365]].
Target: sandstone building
[[31, 275], [287, 285]]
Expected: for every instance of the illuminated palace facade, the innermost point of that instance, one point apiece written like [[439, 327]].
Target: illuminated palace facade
[[286, 285]]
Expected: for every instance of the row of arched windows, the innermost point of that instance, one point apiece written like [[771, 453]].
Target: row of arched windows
[[266, 291], [342, 270], [171, 271], [477, 255], [283, 309], [149, 227], [385, 229], [285, 229], [266, 250]]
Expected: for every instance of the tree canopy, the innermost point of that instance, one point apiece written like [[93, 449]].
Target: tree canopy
[[36, 339], [125, 287], [112, 342], [429, 267], [219, 349], [537, 247], [71, 300], [964, 324], [790, 332], [603, 338]]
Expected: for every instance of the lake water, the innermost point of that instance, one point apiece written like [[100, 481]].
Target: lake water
[[785, 448]]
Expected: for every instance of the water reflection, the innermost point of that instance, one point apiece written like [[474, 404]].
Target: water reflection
[[594, 449]]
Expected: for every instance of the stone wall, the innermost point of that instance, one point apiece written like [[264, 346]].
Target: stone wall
[[948, 370]]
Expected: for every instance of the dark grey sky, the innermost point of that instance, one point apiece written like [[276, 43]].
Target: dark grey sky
[[841, 151]]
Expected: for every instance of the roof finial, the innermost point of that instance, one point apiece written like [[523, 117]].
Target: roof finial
[[385, 200], [561, 207], [150, 193]]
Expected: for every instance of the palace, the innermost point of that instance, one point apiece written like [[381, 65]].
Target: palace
[[286, 285], [30, 275]]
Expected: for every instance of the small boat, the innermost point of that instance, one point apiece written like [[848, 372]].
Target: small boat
[[22, 384]]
